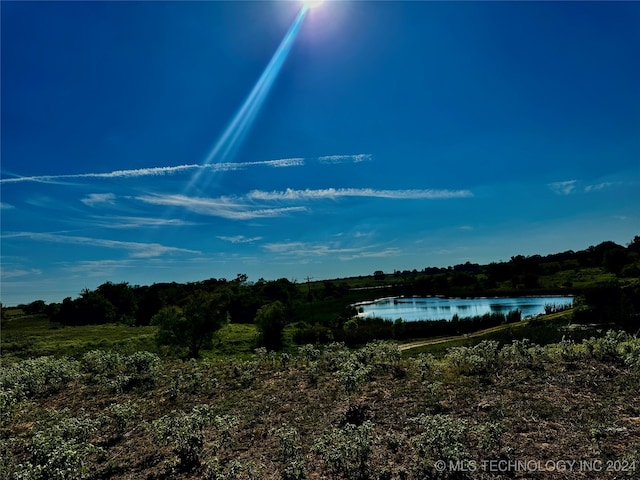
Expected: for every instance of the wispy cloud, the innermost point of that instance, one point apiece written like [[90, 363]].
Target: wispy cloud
[[94, 199], [7, 274], [135, 249], [334, 193], [563, 188], [361, 157], [302, 249], [224, 207], [138, 222], [5, 206], [385, 253], [571, 186], [597, 187], [239, 239], [319, 249], [98, 268]]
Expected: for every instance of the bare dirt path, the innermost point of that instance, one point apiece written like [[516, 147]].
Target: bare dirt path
[[480, 333]]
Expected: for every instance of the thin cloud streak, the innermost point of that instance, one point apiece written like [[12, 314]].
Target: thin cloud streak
[[597, 187], [224, 207], [386, 253], [136, 249], [307, 250], [177, 169], [334, 193], [138, 222], [6, 274], [361, 157], [159, 171], [239, 239]]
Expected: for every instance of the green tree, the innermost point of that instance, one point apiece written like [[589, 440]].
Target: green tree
[[35, 307], [192, 327], [122, 297], [270, 320]]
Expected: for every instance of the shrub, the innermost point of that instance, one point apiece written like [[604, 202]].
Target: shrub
[[441, 439], [630, 352], [186, 432], [119, 372], [334, 355], [291, 452], [308, 353], [490, 437], [379, 354], [101, 362], [192, 378], [480, 358], [9, 398], [519, 353], [606, 348], [60, 449], [345, 451], [37, 376], [424, 364], [245, 372], [122, 414], [353, 374]]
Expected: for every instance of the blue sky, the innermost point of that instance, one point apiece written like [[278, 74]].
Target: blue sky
[[158, 141]]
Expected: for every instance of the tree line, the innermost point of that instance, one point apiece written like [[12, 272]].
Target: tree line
[[189, 313]]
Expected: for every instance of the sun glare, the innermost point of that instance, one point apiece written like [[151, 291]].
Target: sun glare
[[313, 3]]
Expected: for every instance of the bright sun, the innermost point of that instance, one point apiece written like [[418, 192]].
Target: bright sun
[[313, 3]]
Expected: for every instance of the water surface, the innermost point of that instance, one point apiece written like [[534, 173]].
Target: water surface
[[437, 308]]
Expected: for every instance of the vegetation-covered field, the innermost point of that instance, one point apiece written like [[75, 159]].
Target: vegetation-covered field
[[329, 413]]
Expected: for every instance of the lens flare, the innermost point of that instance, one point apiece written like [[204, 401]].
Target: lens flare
[[313, 4], [240, 125]]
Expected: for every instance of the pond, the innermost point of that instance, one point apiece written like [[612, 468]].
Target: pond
[[438, 308]]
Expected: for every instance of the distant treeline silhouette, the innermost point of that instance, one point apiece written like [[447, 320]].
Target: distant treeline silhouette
[[325, 306]]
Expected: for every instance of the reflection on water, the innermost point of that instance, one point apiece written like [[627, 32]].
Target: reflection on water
[[411, 309]]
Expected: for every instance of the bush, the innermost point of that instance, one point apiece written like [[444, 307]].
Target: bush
[[308, 353], [186, 432], [441, 440], [37, 376], [424, 364], [353, 374], [123, 414], [480, 358], [519, 353], [60, 449], [630, 352], [335, 355], [606, 348], [379, 354], [291, 452], [345, 451], [121, 373], [245, 372]]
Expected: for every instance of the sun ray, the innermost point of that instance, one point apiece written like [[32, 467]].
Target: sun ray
[[232, 137]]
